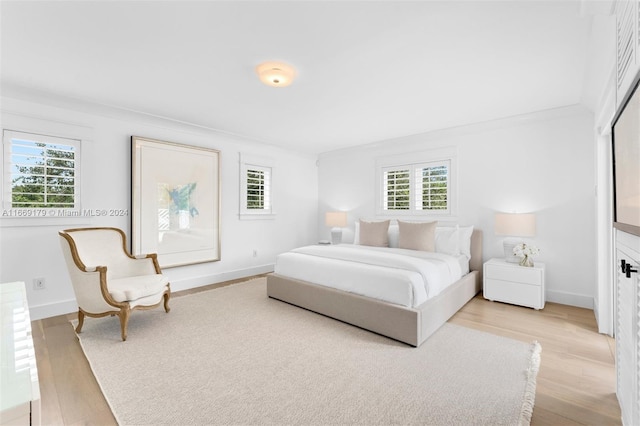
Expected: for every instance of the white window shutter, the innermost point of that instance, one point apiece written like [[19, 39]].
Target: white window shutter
[[40, 172]]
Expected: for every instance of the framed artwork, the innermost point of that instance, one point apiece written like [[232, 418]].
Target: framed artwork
[[175, 202]]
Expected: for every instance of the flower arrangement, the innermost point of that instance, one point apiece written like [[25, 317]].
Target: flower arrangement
[[181, 208], [527, 251]]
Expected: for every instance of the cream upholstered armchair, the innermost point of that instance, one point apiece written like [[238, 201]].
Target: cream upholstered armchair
[[107, 280]]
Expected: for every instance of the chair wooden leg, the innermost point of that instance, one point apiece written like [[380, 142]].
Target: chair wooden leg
[[124, 321], [166, 302], [80, 321]]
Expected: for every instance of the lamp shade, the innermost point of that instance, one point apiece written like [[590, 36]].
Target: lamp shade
[[516, 224], [336, 219]]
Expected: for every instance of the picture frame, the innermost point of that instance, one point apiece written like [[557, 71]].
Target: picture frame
[[175, 202]]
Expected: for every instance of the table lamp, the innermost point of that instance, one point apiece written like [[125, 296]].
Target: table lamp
[[514, 225], [337, 221]]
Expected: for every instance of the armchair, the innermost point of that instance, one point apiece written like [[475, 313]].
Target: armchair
[[107, 280]]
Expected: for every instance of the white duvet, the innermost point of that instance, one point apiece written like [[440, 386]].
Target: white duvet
[[399, 276]]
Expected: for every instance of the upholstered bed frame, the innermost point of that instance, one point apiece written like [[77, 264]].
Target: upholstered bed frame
[[409, 325]]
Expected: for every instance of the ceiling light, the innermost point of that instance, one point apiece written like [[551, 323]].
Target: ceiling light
[[276, 74]]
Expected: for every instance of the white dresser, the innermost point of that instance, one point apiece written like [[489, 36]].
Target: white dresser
[[19, 388], [515, 284]]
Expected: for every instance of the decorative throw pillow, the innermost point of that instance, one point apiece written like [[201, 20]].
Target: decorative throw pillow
[[374, 233], [393, 234], [417, 235]]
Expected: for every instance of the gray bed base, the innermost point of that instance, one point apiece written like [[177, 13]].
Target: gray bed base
[[409, 325]]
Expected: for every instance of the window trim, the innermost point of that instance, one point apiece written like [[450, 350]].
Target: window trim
[[413, 161], [264, 164], [6, 165]]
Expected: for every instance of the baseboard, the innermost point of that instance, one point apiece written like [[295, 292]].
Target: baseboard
[[605, 326], [70, 306], [186, 284], [53, 309], [571, 299]]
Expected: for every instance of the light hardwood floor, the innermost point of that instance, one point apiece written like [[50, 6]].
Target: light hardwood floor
[[575, 386]]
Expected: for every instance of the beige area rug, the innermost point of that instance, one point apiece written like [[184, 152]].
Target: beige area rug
[[234, 356]]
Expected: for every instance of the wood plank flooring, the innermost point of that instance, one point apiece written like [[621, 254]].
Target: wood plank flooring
[[575, 386], [576, 383]]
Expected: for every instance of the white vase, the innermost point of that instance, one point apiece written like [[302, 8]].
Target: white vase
[[183, 219]]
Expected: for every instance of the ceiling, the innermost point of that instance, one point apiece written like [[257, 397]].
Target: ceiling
[[367, 71]]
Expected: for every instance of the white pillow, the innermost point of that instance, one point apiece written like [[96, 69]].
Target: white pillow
[[447, 240], [464, 233], [356, 234], [394, 235]]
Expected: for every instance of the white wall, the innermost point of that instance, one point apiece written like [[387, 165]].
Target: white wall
[[542, 163], [599, 94], [33, 250]]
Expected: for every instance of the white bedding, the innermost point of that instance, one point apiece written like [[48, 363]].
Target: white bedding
[[399, 276]]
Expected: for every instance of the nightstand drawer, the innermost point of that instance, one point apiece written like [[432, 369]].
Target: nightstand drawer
[[518, 294], [515, 273]]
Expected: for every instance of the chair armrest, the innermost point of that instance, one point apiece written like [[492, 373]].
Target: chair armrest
[[142, 264], [90, 287]]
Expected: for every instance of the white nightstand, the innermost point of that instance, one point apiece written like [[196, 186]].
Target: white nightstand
[[515, 284]]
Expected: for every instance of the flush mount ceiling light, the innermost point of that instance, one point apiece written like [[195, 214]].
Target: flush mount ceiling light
[[276, 74]]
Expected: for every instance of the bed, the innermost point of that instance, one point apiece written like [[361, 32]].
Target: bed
[[408, 320]]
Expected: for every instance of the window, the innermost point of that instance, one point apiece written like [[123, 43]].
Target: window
[[255, 187], [424, 187], [397, 184], [432, 192], [40, 172], [258, 188]]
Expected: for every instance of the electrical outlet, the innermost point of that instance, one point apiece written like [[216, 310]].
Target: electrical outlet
[[255, 252], [38, 284]]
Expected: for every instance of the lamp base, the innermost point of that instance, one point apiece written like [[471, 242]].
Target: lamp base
[[336, 235]]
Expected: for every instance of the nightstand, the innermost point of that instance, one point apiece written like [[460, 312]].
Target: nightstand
[[515, 284]]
